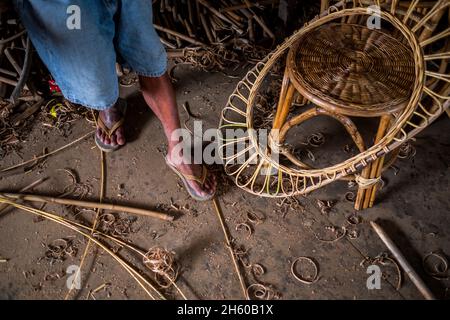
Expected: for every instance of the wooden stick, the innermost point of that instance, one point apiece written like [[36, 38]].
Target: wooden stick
[[242, 6], [415, 278], [76, 227], [176, 53], [8, 81], [190, 12], [167, 43], [48, 154], [206, 28], [229, 245], [251, 30], [188, 27], [29, 111], [264, 26], [260, 21], [87, 204], [13, 62], [94, 225], [3, 206], [220, 15], [234, 16], [8, 72]]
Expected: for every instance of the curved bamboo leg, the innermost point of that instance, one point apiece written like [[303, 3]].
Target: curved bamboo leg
[[345, 121]]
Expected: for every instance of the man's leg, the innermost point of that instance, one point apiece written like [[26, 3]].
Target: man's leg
[[159, 95], [82, 60]]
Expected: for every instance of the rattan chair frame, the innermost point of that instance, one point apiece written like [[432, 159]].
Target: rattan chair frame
[[290, 181]]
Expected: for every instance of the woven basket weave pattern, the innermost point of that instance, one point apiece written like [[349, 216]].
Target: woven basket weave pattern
[[354, 68]]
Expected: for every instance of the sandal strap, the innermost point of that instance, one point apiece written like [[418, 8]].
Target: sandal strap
[[201, 180], [109, 131]]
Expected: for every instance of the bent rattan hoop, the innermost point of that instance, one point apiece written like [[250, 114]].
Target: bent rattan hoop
[[428, 99]]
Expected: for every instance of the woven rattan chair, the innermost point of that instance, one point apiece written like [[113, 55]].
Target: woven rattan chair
[[398, 74]]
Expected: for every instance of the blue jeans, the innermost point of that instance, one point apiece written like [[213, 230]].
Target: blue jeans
[[81, 57]]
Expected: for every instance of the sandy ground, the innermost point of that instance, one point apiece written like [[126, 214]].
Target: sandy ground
[[413, 206]]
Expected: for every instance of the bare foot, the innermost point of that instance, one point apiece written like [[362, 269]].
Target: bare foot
[[210, 184], [110, 117]]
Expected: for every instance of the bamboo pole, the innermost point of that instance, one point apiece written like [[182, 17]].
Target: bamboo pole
[[91, 205], [221, 15], [229, 245], [49, 153], [167, 43], [264, 26], [415, 278], [3, 206], [179, 35], [243, 6], [140, 279], [206, 28], [8, 81]]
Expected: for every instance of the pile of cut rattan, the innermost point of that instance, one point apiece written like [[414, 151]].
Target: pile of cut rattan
[[214, 34]]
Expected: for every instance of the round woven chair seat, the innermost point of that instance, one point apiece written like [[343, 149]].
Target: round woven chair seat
[[352, 70]]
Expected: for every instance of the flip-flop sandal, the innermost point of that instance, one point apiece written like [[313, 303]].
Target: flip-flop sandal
[[110, 131], [185, 177]]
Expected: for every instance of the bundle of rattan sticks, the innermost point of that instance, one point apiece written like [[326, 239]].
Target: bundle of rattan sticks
[[194, 23]]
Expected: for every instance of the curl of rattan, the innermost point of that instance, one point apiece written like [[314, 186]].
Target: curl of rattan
[[436, 273], [303, 181], [299, 277], [261, 292]]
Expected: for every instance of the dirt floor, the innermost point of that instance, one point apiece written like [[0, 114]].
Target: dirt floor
[[414, 208]]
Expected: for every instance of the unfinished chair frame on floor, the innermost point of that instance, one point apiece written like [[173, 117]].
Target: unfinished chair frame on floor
[[427, 101]]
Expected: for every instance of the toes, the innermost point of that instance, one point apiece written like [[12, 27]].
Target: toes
[[107, 140], [199, 190], [114, 140], [120, 137], [104, 137], [101, 136], [207, 186]]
